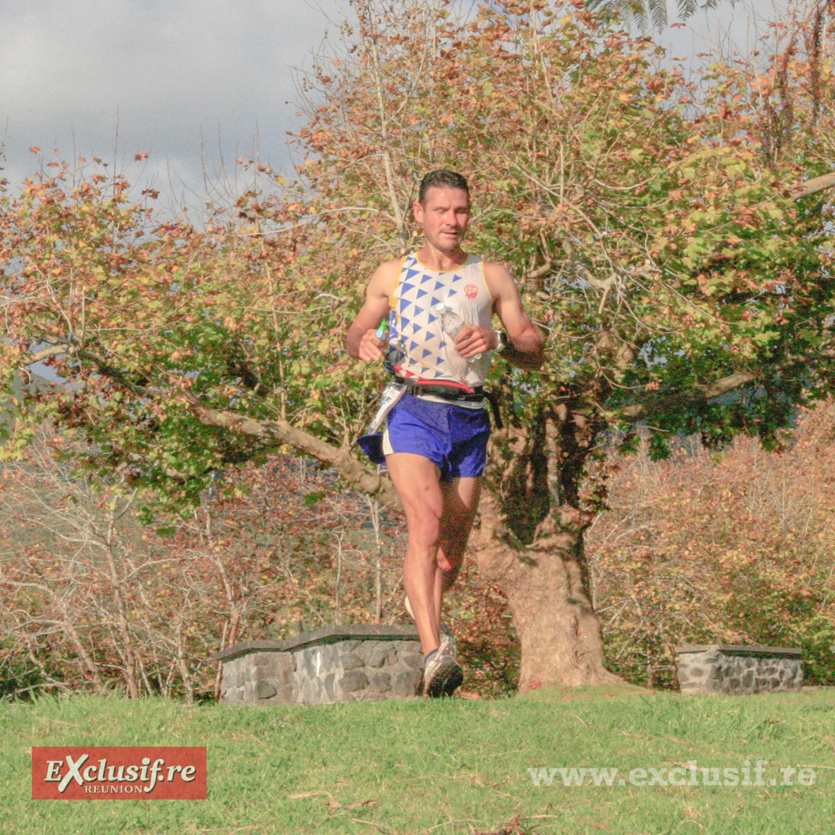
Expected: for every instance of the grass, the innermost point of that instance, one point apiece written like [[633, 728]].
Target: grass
[[452, 766]]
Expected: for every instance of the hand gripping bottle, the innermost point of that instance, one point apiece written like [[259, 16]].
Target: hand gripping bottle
[[451, 323]]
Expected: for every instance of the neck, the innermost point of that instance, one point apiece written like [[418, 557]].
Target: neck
[[441, 261]]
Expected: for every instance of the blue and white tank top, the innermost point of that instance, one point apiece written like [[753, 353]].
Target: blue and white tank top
[[419, 350]]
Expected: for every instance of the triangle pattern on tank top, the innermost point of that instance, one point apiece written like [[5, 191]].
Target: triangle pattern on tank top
[[418, 346]]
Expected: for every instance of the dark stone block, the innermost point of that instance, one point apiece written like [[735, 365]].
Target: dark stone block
[[374, 655], [737, 669], [354, 680], [406, 683], [327, 665], [381, 682], [264, 690], [350, 661], [330, 686], [412, 659]]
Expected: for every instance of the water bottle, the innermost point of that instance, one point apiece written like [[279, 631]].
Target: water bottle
[[451, 323], [382, 333]]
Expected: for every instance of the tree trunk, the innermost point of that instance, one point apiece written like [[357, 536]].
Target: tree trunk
[[545, 586]]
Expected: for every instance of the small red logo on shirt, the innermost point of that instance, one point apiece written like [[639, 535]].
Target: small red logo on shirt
[[471, 291]]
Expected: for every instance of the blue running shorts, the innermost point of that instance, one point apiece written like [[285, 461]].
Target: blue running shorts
[[451, 437]]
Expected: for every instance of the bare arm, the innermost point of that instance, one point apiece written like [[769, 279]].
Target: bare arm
[[526, 348], [360, 339]]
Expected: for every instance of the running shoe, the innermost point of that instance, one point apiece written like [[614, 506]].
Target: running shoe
[[441, 675], [447, 636]]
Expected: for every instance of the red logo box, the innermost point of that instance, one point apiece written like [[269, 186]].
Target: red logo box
[[118, 773]]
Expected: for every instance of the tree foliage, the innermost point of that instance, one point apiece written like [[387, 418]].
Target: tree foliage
[[653, 13], [661, 253], [729, 547]]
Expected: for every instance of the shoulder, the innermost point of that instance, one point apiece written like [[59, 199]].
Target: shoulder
[[389, 268], [499, 281], [384, 279]]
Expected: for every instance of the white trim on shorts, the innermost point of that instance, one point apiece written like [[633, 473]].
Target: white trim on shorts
[[387, 448]]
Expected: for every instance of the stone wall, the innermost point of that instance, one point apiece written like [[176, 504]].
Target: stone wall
[[336, 664], [725, 668]]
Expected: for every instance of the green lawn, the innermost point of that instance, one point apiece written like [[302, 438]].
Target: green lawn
[[453, 766]]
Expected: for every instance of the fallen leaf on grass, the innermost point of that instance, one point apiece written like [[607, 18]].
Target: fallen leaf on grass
[[333, 804], [361, 804], [468, 694]]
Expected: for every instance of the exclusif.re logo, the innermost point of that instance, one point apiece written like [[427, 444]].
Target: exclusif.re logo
[[97, 773]]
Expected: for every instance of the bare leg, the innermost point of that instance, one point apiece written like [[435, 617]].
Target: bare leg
[[460, 505], [418, 484], [438, 518]]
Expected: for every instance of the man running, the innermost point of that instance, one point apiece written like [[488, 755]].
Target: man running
[[435, 438]]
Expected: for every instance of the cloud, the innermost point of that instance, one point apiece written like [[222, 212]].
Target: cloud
[[179, 79]]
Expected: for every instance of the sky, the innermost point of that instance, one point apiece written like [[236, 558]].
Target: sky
[[191, 83], [194, 84]]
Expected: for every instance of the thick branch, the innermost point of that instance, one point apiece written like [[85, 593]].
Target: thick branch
[[279, 430], [102, 365], [813, 186]]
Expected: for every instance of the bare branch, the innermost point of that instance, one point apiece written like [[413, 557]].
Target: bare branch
[[733, 382], [813, 186]]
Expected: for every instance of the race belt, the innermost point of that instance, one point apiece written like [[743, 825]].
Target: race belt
[[454, 394]]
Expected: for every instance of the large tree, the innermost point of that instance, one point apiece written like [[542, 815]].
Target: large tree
[[665, 245]]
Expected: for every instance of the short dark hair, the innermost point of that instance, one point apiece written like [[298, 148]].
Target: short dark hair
[[442, 178]]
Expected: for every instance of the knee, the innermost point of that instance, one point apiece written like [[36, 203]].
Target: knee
[[424, 529]]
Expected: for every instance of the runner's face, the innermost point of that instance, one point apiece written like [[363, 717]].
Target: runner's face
[[444, 216]]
